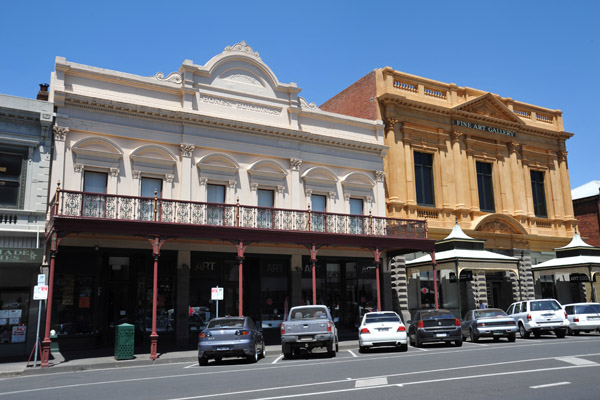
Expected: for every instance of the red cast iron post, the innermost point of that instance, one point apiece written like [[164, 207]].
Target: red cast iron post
[[156, 245], [46, 342], [435, 287], [241, 247], [313, 260], [377, 255]]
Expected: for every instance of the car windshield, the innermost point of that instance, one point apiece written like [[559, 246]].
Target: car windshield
[[309, 313], [544, 306], [382, 318], [489, 313], [587, 309], [226, 323]]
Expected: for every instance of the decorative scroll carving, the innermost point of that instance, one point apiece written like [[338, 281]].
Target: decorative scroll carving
[[186, 150], [486, 109], [232, 184], [203, 181], [254, 187], [78, 168], [308, 192], [497, 226], [242, 47], [331, 195], [240, 105], [305, 104], [114, 172], [174, 77], [280, 188], [169, 178], [455, 136], [369, 199], [295, 164], [380, 176], [562, 155], [137, 174], [347, 196], [390, 123], [514, 146], [60, 132]]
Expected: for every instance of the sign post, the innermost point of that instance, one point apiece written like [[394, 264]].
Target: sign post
[[216, 294], [40, 292]]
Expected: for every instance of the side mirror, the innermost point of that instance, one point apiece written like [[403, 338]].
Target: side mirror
[[409, 322]]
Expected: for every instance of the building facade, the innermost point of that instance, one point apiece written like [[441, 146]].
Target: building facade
[[216, 175], [586, 205], [25, 150], [496, 166]]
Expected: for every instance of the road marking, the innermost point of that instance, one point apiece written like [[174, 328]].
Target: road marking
[[191, 366], [477, 344], [370, 382], [549, 385], [576, 360], [351, 352], [277, 359], [420, 348]]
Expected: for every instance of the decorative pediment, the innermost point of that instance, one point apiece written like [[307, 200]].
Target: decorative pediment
[[319, 176], [239, 75], [358, 182], [489, 106], [218, 166], [153, 159], [97, 152], [267, 171], [497, 225]]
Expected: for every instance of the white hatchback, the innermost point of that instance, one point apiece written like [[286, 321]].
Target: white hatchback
[[383, 328], [583, 317]]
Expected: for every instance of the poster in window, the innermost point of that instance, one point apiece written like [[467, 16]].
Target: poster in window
[[18, 334], [14, 313], [14, 321], [3, 313]]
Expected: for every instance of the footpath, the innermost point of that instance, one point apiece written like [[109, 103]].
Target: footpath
[[94, 359]]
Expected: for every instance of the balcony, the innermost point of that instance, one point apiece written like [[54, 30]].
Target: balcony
[[74, 211]]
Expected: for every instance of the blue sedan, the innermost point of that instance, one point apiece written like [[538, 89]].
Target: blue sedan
[[230, 337]]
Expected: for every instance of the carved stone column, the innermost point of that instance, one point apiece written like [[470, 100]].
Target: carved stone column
[[394, 161], [58, 156], [187, 151], [517, 184], [458, 167], [565, 184], [295, 191]]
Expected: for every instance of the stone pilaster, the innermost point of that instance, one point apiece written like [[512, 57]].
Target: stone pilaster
[[399, 286]]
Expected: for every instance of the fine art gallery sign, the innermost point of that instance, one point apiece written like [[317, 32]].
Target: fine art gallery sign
[[484, 128]]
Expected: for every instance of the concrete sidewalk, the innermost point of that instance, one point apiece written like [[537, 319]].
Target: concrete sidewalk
[[81, 362]]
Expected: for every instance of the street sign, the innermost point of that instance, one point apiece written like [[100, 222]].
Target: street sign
[[40, 292], [216, 293], [41, 279]]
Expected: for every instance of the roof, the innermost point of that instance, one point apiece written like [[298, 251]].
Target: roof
[[463, 254], [568, 262], [575, 242], [589, 189], [457, 233]]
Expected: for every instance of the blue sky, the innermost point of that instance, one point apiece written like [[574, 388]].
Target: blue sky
[[545, 53]]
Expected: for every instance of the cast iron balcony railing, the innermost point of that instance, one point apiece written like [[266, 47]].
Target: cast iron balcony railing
[[71, 204]]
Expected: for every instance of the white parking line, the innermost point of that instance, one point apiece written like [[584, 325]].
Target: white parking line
[[420, 348], [576, 360], [277, 359], [191, 366], [370, 382], [351, 352], [477, 344], [549, 385]]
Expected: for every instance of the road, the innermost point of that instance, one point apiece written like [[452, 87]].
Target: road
[[546, 368]]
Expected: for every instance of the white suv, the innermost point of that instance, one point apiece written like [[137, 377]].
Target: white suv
[[539, 316]]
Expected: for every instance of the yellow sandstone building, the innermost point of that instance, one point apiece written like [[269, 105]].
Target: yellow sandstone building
[[494, 166]]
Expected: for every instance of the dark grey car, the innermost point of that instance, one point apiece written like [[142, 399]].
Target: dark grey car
[[434, 326], [230, 337], [489, 322]]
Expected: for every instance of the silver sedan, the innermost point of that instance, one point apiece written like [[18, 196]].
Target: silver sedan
[[230, 337], [489, 322]]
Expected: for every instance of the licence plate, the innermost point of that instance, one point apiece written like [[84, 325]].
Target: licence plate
[[497, 333], [441, 334], [222, 348], [383, 329], [593, 318]]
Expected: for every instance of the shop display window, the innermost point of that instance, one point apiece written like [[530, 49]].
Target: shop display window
[[14, 306], [73, 302]]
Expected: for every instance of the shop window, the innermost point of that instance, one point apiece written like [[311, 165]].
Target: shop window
[[356, 210], [539, 194], [215, 196], [150, 188], [12, 180], [94, 185], [485, 187], [424, 179], [266, 202], [14, 306], [73, 304], [318, 206]]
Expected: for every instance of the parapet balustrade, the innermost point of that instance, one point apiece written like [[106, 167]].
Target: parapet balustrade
[[72, 204]]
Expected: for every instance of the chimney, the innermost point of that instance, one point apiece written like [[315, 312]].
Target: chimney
[[43, 93]]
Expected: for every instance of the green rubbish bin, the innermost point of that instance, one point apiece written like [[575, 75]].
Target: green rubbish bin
[[124, 339]]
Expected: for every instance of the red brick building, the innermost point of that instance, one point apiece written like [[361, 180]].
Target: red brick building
[[586, 205]]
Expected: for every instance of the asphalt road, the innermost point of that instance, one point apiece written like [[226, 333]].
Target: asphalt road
[[546, 368]]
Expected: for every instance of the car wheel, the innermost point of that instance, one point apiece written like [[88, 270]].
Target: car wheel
[[512, 337], [474, 336], [496, 338], [218, 359], [403, 347], [458, 343], [202, 361], [537, 334], [263, 353], [576, 333], [524, 334], [418, 342], [253, 357], [362, 349], [331, 349], [287, 355], [560, 333]]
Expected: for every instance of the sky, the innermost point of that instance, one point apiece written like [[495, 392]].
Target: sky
[[545, 53]]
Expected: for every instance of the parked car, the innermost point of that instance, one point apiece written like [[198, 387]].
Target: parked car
[[489, 322], [382, 329], [583, 317], [539, 316], [230, 337], [308, 327], [434, 326]]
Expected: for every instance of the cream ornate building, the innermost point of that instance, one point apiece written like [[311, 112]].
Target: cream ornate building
[[496, 166]]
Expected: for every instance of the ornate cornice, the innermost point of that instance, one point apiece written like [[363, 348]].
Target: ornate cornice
[[193, 119], [186, 149], [60, 132], [305, 104], [174, 77]]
